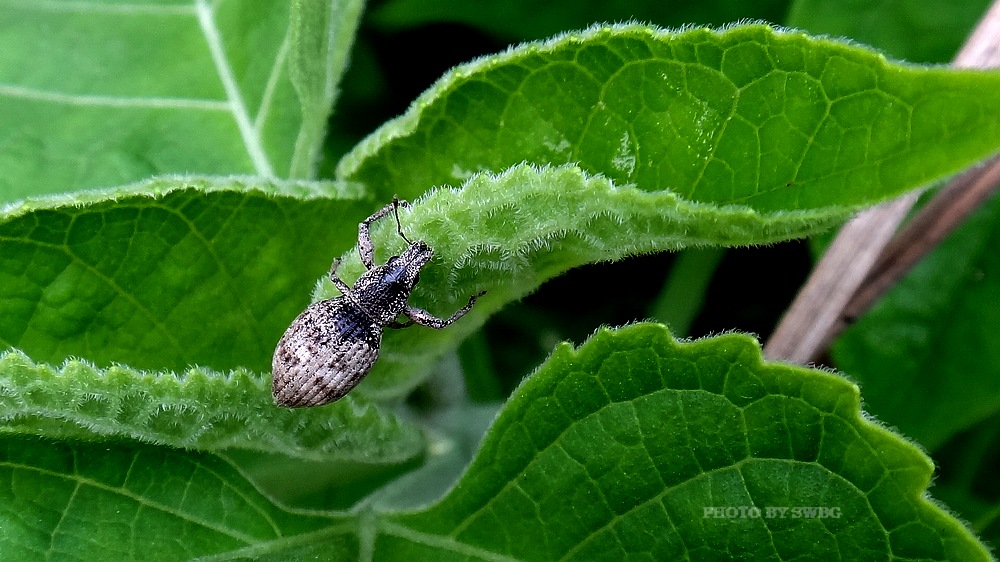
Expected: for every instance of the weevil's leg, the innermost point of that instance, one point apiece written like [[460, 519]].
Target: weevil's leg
[[365, 247], [337, 282], [398, 324], [399, 228], [424, 318]]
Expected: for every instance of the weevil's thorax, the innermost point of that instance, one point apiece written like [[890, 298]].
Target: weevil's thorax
[[383, 291]]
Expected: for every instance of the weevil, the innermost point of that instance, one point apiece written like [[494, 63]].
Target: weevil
[[332, 345]]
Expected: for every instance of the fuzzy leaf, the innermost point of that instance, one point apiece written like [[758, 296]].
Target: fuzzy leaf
[[631, 446], [321, 35], [197, 409], [509, 233], [136, 276], [168, 273], [769, 119]]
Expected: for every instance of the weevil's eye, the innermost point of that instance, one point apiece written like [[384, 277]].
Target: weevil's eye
[[395, 275]]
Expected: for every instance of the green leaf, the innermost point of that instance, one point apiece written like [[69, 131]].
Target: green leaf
[[163, 275], [136, 502], [774, 120], [927, 355], [197, 409], [509, 233], [168, 273], [630, 445], [321, 35], [631, 139], [97, 94]]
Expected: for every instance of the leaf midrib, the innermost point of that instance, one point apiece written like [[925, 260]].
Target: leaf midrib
[[213, 39], [233, 103]]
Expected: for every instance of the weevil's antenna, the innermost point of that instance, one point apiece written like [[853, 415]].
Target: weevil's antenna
[[395, 211]]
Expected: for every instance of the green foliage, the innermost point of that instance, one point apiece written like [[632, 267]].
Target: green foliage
[[319, 40], [624, 447], [138, 274], [749, 116], [75, 501], [621, 448], [197, 409], [927, 355], [147, 310]]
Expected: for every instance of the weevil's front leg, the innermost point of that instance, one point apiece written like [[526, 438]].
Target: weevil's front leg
[[424, 318], [365, 247], [337, 282]]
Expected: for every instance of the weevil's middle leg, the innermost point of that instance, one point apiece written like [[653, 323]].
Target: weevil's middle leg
[[424, 318], [365, 247]]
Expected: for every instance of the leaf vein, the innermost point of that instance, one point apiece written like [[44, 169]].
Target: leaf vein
[[142, 501], [395, 529], [61, 6], [22, 92], [154, 320], [272, 83], [252, 142]]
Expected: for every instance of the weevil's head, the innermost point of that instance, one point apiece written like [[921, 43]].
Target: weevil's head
[[402, 272], [384, 290], [416, 256]]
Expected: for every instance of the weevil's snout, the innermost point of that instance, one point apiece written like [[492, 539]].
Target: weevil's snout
[[418, 253], [403, 271]]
